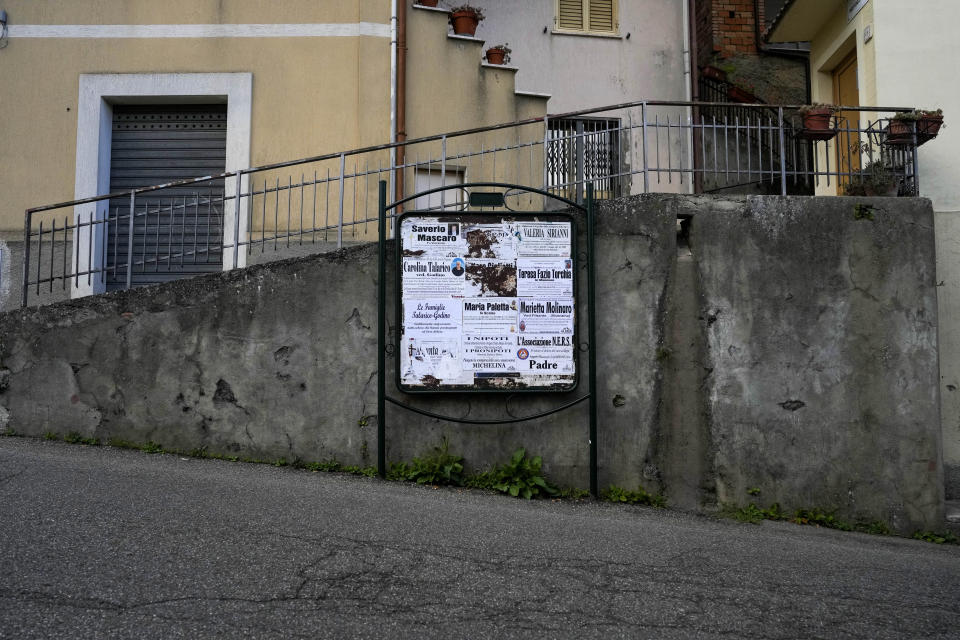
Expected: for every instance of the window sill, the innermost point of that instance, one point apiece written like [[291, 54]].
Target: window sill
[[589, 34]]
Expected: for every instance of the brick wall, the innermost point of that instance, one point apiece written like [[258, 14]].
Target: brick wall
[[728, 27]]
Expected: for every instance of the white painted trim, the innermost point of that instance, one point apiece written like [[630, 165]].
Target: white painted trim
[[318, 30], [98, 92]]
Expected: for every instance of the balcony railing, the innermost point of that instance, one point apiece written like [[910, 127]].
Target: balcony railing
[[160, 232]]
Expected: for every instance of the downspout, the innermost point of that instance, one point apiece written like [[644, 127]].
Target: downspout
[[401, 95], [692, 86], [393, 86]]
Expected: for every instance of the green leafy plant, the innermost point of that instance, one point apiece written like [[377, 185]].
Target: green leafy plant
[[944, 537], [521, 477], [817, 106], [907, 116], [369, 472], [753, 491], [573, 493], [820, 518], [77, 438], [877, 528], [50, 435], [876, 178], [752, 513], [328, 465], [437, 467], [470, 8], [613, 493], [151, 447]]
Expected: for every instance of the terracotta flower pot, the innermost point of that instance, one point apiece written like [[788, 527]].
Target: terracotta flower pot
[[496, 56], [928, 127], [900, 131], [818, 120], [427, 3], [464, 23]]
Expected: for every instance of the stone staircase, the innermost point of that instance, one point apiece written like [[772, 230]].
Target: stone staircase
[[449, 69]]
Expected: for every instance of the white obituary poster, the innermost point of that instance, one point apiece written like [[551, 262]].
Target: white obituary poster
[[485, 316], [489, 353], [544, 354], [433, 277], [542, 239], [423, 236], [552, 316], [545, 277]]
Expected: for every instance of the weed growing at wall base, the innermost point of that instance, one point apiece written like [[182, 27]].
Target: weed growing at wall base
[[812, 516], [944, 537], [437, 467], [613, 493]]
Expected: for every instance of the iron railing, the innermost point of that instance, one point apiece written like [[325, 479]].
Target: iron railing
[[165, 231]]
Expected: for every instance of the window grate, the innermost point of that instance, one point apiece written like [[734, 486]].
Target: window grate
[[582, 150]]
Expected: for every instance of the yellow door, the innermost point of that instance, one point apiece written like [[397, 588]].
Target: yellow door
[[846, 92]]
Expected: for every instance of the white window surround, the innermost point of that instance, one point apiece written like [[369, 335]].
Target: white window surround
[[99, 92]]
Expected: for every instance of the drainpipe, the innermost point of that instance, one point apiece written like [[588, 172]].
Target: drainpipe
[[393, 83], [692, 89], [401, 93]]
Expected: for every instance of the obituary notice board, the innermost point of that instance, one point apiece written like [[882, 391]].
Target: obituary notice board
[[487, 302]]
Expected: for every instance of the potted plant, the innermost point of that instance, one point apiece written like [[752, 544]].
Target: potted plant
[[901, 126], [818, 120], [465, 18], [499, 54], [929, 124], [427, 3], [876, 179]]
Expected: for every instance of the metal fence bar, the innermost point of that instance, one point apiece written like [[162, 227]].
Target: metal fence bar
[[598, 146]]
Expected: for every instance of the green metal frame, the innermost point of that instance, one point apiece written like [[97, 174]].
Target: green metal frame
[[382, 346]]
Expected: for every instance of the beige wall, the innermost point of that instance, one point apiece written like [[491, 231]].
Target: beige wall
[[917, 54], [311, 95]]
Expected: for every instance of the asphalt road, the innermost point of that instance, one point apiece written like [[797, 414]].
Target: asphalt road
[[105, 543]]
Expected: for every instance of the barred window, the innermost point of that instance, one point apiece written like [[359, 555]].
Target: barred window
[[587, 15], [581, 151]]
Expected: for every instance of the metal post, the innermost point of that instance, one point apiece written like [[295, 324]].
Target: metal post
[[381, 331], [643, 143], [592, 342], [546, 158], [580, 159], [443, 172], [340, 219], [133, 204], [783, 155], [236, 222], [916, 157], [27, 223]]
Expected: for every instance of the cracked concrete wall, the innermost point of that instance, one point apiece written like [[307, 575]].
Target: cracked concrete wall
[[820, 326], [279, 360], [793, 350]]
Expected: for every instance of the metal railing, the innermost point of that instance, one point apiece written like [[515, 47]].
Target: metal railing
[[160, 232]]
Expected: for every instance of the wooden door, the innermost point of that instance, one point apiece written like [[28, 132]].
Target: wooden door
[[846, 92]]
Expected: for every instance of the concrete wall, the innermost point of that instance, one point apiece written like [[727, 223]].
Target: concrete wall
[[821, 339], [792, 350], [904, 64]]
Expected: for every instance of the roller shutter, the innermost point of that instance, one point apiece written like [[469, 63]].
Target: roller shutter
[[178, 231]]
